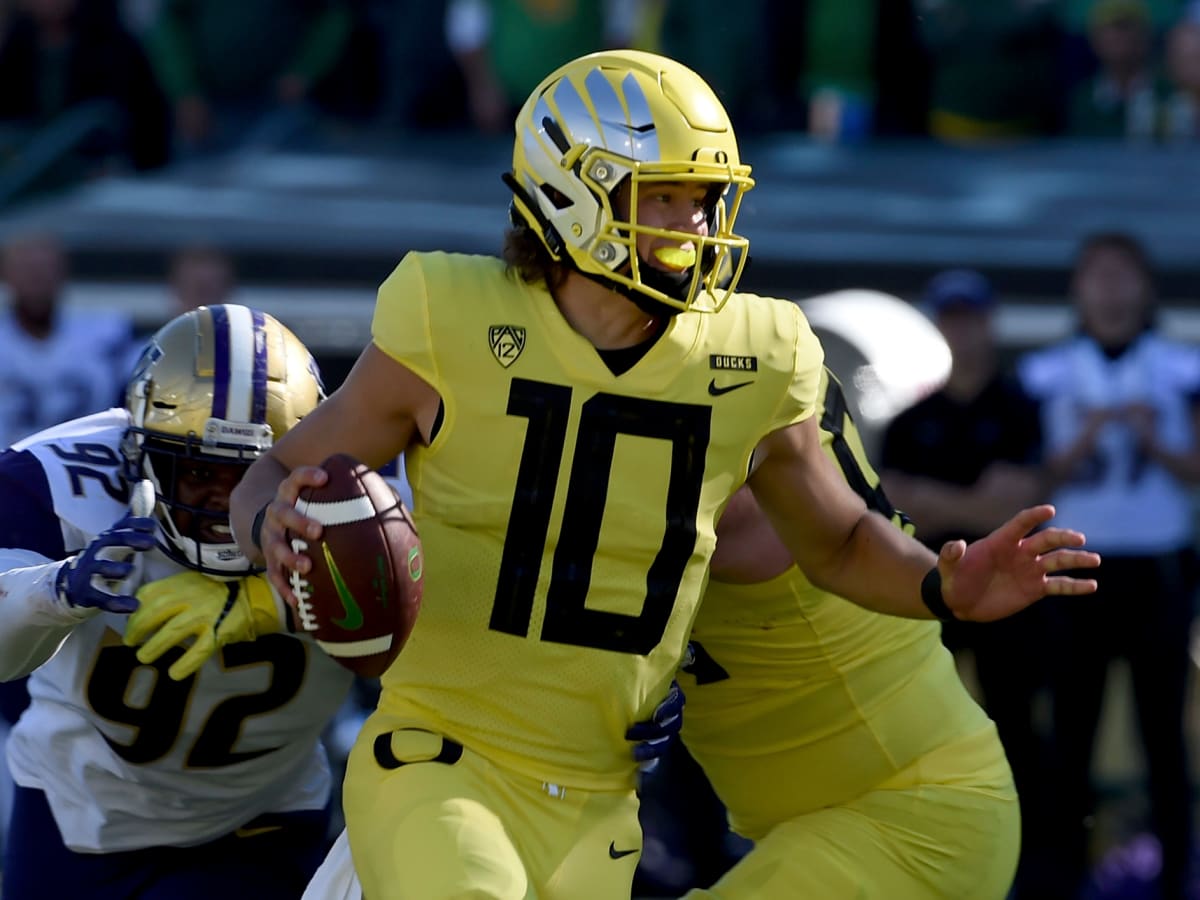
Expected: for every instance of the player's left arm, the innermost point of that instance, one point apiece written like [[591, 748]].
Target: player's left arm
[[849, 550], [835, 539], [34, 619], [33, 623]]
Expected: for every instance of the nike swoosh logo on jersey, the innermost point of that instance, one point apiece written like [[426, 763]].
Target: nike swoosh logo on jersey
[[353, 619], [614, 853], [717, 391]]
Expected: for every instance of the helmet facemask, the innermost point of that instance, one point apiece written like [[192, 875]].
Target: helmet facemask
[[199, 537], [652, 287]]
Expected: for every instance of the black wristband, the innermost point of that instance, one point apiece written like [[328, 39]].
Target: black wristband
[[931, 593], [256, 527]]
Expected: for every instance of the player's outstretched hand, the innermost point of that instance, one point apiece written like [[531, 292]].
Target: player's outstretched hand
[[94, 577], [1011, 568], [280, 518], [191, 607]]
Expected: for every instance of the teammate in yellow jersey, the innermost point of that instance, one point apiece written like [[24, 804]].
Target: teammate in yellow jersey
[[574, 419], [841, 741]]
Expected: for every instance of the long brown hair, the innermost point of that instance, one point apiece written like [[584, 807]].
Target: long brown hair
[[526, 257]]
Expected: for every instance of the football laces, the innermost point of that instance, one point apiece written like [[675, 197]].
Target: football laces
[[301, 590]]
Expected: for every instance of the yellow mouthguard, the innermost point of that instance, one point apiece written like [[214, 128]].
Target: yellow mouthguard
[[676, 257]]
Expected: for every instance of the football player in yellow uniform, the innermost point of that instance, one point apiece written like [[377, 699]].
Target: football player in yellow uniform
[[841, 741], [574, 419]]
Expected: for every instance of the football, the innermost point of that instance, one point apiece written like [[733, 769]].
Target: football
[[361, 597]]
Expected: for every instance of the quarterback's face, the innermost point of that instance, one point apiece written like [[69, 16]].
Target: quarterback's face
[[673, 206], [207, 486]]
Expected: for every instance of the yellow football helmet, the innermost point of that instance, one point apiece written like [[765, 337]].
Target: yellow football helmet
[[626, 114], [217, 384]]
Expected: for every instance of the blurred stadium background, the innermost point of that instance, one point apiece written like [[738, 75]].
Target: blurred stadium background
[[861, 196]]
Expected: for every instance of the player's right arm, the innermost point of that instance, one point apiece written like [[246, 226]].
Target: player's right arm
[[381, 408], [374, 416]]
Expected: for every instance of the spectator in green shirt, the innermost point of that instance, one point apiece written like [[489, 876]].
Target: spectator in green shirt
[[1182, 119], [56, 56], [226, 62], [1125, 97], [505, 47], [994, 67]]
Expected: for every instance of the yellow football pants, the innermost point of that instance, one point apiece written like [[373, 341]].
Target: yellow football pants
[[429, 820], [945, 828]]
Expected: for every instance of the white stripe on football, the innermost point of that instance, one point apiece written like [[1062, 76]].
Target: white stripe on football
[[338, 512]]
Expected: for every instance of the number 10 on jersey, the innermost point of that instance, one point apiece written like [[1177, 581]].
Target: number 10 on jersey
[[603, 417]]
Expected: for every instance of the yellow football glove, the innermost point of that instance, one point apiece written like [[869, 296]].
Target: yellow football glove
[[212, 613]]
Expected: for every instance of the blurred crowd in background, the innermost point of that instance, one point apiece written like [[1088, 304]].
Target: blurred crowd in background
[[139, 85], [175, 78]]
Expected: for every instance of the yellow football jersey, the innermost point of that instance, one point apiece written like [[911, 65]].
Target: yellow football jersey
[[801, 700], [566, 512]]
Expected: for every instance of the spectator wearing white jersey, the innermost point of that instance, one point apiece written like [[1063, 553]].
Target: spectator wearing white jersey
[[1121, 416], [200, 275], [56, 362]]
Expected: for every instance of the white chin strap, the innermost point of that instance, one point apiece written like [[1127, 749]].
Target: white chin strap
[[213, 557]]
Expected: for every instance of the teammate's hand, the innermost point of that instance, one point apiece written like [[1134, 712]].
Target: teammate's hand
[[93, 577], [1009, 569], [653, 737], [211, 613]]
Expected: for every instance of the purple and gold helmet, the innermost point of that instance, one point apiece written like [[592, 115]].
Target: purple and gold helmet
[[217, 384]]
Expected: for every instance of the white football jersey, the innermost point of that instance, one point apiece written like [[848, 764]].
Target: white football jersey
[[127, 757], [79, 369], [1124, 501]]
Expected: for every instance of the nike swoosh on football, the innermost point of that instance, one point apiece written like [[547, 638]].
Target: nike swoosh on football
[[354, 618], [614, 853], [717, 391]]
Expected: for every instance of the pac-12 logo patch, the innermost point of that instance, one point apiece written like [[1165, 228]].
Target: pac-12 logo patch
[[507, 342]]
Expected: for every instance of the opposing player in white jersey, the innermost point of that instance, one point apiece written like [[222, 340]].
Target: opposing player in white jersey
[[130, 782]]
